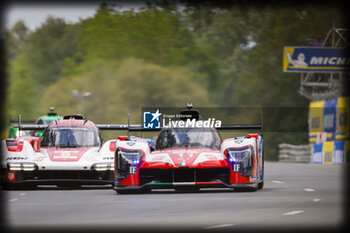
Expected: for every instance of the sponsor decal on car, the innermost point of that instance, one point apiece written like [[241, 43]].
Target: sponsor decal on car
[[10, 176], [252, 178]]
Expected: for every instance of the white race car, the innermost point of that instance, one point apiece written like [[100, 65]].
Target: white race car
[[70, 153]]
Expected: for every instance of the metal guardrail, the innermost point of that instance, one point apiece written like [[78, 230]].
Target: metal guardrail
[[294, 153]]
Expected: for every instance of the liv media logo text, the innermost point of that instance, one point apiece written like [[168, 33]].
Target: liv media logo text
[[152, 120], [193, 123]]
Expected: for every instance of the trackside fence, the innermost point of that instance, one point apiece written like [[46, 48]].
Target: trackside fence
[[294, 153]]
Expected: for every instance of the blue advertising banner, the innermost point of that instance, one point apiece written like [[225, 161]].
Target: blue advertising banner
[[310, 59], [330, 117], [317, 153], [339, 149]]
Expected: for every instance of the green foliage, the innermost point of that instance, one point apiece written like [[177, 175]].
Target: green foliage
[[36, 60], [15, 38], [47, 48], [151, 34], [22, 92], [119, 88]]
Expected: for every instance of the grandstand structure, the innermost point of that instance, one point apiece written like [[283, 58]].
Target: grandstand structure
[[324, 69], [327, 85]]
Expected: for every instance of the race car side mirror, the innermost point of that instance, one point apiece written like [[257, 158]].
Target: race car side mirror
[[253, 135], [123, 138]]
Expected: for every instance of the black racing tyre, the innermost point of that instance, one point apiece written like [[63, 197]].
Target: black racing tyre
[[132, 191], [125, 191], [261, 185], [25, 186], [246, 189]]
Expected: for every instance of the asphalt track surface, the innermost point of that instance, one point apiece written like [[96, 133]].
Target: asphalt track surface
[[295, 196]]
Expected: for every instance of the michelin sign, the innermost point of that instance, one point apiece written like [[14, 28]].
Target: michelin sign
[[310, 59]]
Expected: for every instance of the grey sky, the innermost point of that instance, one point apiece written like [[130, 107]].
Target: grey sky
[[34, 15]]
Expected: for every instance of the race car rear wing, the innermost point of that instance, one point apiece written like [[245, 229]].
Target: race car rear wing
[[23, 121], [30, 127], [26, 127]]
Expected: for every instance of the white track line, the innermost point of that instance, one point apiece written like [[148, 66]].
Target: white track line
[[316, 199], [309, 190], [278, 182], [13, 199], [218, 226], [293, 212]]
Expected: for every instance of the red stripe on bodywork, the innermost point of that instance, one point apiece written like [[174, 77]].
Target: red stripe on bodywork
[[207, 183]]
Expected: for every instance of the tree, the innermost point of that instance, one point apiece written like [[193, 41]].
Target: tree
[[23, 93], [122, 87], [15, 38], [48, 47], [36, 60], [155, 35]]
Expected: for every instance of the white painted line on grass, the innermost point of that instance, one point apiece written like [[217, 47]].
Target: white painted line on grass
[[309, 190], [278, 182], [293, 212], [218, 226]]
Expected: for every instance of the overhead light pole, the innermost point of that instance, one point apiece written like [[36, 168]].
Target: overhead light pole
[[81, 99]]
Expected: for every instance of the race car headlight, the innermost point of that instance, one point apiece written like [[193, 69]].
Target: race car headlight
[[102, 166], [133, 157], [28, 166], [245, 156], [241, 160], [235, 156], [15, 166], [22, 166]]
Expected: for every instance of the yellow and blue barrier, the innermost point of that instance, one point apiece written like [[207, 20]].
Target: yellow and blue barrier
[[331, 152], [330, 116]]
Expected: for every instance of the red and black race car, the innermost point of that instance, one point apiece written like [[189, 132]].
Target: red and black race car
[[190, 158]]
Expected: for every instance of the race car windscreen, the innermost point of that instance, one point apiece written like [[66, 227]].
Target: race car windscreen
[[188, 137], [44, 122], [70, 137]]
